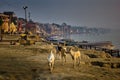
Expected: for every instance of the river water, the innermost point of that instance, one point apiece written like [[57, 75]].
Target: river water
[[113, 36]]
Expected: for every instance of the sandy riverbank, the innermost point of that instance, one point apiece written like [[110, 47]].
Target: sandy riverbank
[[30, 63]]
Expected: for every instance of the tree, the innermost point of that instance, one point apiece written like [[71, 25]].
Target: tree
[[64, 24], [1, 22]]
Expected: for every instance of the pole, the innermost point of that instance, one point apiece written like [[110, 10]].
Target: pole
[[29, 16], [25, 7]]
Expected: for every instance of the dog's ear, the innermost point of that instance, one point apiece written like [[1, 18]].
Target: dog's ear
[[49, 50], [69, 48]]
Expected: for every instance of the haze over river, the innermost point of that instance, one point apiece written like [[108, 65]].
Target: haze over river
[[113, 36]]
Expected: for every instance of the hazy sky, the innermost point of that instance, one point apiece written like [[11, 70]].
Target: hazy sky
[[91, 13]]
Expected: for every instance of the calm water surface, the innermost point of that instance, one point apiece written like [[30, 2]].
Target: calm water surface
[[113, 36]]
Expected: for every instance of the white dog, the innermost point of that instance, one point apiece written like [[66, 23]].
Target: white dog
[[51, 59]]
